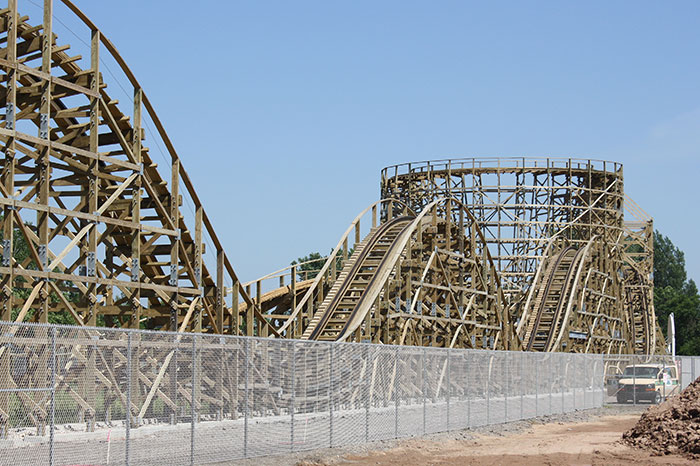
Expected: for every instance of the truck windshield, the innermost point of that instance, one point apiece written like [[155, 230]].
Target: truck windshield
[[644, 372]]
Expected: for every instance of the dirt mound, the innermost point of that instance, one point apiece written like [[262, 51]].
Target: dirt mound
[[673, 427]]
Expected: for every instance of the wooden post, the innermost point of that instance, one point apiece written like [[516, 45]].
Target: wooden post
[[249, 316], [93, 193], [44, 161], [44, 189], [198, 214], [235, 311], [174, 244], [7, 177], [136, 239], [296, 326]]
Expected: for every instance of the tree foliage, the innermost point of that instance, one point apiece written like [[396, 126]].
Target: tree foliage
[[310, 270], [675, 293]]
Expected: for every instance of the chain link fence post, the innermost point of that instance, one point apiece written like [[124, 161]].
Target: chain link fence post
[[449, 386], [468, 391], [551, 381], [396, 393], [128, 397], [692, 369], [521, 357], [52, 426], [193, 401], [330, 400], [585, 382], [488, 388], [634, 381], [562, 374], [424, 385], [505, 395], [291, 398], [366, 391], [537, 390], [246, 350]]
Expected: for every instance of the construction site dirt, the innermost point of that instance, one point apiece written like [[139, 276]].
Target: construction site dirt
[[671, 427], [591, 437]]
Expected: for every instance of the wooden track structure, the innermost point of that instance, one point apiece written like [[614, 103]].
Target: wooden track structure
[[110, 241], [81, 189], [475, 253], [573, 252]]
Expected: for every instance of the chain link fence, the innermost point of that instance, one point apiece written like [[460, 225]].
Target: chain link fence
[[75, 395]]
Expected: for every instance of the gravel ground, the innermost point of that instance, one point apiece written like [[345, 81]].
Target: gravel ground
[[336, 455]]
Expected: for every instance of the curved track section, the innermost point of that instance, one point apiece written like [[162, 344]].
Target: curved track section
[[106, 235], [553, 294], [359, 276], [418, 280], [573, 304]]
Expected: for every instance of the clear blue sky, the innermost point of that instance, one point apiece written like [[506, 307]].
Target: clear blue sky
[[285, 112]]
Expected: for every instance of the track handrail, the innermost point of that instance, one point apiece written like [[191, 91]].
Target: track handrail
[[354, 226]]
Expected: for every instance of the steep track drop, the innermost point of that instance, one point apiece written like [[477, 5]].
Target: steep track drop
[[335, 315]]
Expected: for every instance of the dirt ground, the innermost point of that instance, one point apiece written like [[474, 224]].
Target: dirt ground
[[589, 437], [595, 442]]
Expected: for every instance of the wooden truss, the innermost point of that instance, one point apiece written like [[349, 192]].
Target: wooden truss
[[424, 279], [101, 221], [562, 248], [475, 253]]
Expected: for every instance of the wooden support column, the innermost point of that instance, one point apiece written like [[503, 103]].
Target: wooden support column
[[220, 286], [92, 202], [136, 214], [7, 178], [235, 311], [296, 326], [137, 308], [174, 240], [8, 171], [93, 178], [43, 165], [43, 162], [173, 280], [249, 313], [262, 328], [198, 264]]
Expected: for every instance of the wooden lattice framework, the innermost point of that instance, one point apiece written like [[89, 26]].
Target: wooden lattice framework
[[453, 258], [109, 237], [529, 211]]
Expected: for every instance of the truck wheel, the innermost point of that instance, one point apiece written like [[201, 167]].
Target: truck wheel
[[621, 400], [657, 398]]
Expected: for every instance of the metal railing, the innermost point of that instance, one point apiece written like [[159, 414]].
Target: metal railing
[[77, 395]]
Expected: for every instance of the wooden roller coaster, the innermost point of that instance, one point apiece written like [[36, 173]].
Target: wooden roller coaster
[[483, 253], [506, 253]]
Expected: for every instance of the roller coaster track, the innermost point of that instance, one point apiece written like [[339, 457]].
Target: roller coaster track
[[552, 300], [423, 278], [357, 277]]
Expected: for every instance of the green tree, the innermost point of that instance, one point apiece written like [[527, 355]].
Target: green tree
[[674, 292], [310, 270]]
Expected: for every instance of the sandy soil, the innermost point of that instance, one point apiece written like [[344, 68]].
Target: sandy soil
[[595, 442]]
